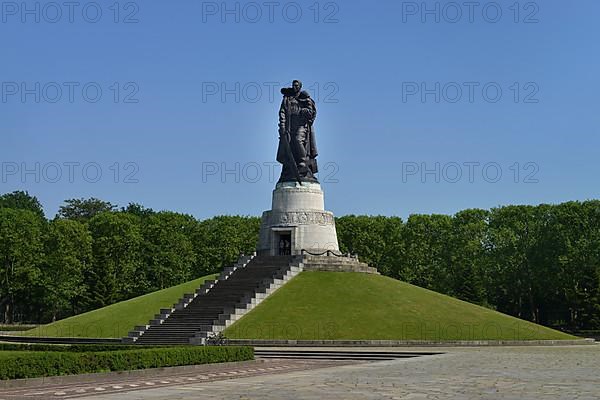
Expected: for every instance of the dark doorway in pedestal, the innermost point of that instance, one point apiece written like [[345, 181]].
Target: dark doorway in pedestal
[[284, 245]]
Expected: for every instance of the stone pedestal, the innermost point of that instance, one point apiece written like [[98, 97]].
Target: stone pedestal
[[297, 221]]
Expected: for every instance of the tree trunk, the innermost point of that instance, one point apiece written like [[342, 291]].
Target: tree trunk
[[8, 313]]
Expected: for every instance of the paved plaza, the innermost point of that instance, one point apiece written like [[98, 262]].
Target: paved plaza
[[570, 372], [566, 372]]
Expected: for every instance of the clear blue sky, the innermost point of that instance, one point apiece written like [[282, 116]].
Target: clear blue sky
[[367, 59]]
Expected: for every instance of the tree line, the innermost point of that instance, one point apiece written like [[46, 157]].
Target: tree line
[[540, 263], [93, 254]]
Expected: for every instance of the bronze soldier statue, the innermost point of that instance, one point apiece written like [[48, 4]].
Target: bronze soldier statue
[[297, 146]]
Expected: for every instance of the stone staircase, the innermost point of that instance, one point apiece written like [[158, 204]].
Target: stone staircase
[[217, 304]]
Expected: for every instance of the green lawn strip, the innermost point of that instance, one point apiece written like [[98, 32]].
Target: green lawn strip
[[33, 364], [354, 306], [118, 319]]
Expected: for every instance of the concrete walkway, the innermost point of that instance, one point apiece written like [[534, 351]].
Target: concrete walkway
[[569, 372]]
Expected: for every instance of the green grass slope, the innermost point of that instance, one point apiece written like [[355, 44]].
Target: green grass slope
[[333, 305], [118, 319]]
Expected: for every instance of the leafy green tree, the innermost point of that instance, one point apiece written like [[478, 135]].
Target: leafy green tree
[[377, 240], [22, 201], [393, 255], [168, 251], [219, 241], [84, 209], [426, 251], [514, 233], [575, 230], [468, 256], [117, 265], [138, 209], [21, 252], [68, 255]]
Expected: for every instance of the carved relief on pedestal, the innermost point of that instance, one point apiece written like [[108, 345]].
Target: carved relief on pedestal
[[302, 218]]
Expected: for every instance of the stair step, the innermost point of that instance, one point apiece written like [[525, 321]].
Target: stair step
[[216, 304]]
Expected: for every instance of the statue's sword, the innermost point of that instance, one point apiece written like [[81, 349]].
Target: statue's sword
[[286, 144]]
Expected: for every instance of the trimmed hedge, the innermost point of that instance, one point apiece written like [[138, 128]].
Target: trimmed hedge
[[74, 348], [16, 328], [38, 364]]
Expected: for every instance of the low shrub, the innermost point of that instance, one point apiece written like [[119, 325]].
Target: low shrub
[[50, 363], [75, 348], [15, 328]]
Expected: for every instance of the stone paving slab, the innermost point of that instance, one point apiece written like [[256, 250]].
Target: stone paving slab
[[524, 373], [84, 385]]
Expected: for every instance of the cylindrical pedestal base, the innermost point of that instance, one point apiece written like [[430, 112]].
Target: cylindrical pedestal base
[[298, 221]]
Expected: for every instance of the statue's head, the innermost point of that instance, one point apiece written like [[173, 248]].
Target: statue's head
[[297, 86]]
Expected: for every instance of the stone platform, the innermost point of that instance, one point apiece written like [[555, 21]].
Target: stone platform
[[335, 263]]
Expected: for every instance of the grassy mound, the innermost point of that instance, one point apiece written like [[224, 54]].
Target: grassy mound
[[118, 319], [331, 305]]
